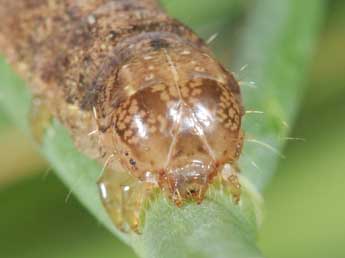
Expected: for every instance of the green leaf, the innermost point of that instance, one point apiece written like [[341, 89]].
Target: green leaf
[[277, 46], [275, 43]]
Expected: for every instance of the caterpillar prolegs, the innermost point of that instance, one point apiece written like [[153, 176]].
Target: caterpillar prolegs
[[138, 91]]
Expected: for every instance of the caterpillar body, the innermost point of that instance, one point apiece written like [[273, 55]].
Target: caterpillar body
[[138, 91]]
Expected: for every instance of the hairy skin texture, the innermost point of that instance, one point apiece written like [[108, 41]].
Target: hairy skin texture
[[138, 91]]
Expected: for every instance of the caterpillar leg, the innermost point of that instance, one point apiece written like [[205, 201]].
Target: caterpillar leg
[[124, 197], [40, 118], [230, 181]]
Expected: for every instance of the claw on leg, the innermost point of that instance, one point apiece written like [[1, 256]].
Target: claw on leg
[[124, 196]]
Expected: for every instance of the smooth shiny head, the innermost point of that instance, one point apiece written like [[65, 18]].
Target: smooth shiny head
[[181, 128]]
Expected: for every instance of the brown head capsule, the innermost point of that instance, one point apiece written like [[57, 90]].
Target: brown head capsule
[[145, 85], [181, 119]]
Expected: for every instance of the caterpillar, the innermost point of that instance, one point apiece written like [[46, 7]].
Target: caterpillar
[[138, 91]]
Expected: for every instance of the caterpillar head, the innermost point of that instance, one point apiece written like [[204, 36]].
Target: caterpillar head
[[179, 137]]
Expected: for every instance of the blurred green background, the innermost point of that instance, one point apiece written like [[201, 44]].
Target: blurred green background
[[304, 204]]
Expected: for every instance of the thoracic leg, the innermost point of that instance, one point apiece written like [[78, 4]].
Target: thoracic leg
[[123, 197], [230, 180]]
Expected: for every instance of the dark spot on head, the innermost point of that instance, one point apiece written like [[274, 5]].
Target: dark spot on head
[[126, 153], [157, 44], [132, 162]]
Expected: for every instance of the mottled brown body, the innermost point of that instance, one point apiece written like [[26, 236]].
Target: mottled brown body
[[161, 105]]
